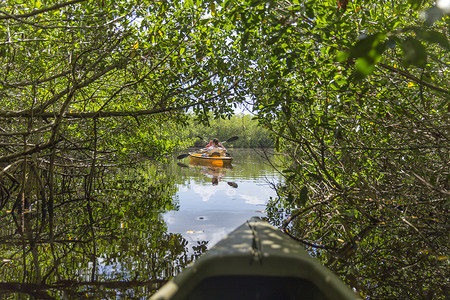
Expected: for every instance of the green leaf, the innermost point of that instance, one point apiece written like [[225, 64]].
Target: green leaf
[[342, 56], [303, 196], [315, 176], [414, 52], [290, 198], [364, 67], [277, 144], [188, 3], [434, 37], [309, 12], [363, 47], [244, 39], [415, 4]]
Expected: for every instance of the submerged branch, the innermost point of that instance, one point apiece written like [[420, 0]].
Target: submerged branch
[[62, 284]]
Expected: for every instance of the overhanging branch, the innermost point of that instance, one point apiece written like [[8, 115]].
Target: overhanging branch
[[39, 11]]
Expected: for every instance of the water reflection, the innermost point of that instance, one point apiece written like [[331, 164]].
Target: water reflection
[[210, 171], [111, 244], [123, 233], [240, 192]]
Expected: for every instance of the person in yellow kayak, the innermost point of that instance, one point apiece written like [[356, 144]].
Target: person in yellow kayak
[[214, 148]]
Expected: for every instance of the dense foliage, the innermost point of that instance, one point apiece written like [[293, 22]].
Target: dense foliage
[[86, 86], [356, 93]]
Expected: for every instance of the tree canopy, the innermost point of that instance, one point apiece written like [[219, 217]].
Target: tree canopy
[[356, 93]]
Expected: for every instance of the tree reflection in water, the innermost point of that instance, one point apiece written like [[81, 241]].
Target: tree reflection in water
[[103, 241]]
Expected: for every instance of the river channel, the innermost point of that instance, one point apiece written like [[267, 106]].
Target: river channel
[[140, 225]]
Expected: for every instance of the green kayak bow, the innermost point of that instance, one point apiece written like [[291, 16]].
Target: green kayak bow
[[256, 261]]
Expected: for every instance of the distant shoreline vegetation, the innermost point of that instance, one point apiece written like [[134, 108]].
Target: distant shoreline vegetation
[[250, 133]]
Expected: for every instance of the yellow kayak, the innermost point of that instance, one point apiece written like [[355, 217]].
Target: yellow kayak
[[217, 161]]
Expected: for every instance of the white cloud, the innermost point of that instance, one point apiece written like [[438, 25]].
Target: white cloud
[[254, 200]]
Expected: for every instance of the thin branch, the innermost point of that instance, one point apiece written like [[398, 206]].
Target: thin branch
[[26, 83], [307, 243], [420, 233], [429, 185], [299, 213], [24, 41], [39, 11]]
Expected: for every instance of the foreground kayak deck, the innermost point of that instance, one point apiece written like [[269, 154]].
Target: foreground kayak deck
[[256, 261]]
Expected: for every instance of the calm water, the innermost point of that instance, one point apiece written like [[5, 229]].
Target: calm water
[[208, 211], [139, 227]]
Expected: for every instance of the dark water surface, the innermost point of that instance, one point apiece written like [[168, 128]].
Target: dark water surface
[[134, 229]]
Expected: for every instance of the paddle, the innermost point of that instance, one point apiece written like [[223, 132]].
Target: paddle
[[182, 156], [233, 184], [202, 139], [231, 139]]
